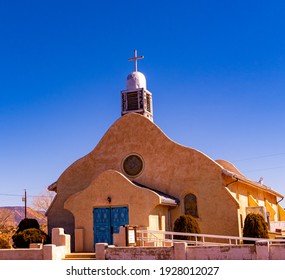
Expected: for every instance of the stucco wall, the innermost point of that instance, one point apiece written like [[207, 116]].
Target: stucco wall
[[140, 253], [122, 192], [242, 252], [168, 167], [47, 252], [159, 217], [55, 251], [178, 252], [21, 254], [277, 252]]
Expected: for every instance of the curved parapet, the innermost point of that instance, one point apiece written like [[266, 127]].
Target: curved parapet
[[166, 165]]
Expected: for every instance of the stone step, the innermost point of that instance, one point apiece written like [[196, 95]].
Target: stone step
[[80, 256]]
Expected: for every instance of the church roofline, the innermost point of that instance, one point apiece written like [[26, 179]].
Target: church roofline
[[250, 182], [166, 199]]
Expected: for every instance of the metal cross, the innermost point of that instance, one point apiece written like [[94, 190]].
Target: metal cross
[[135, 59]]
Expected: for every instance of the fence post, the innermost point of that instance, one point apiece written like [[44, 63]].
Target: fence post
[[180, 250], [100, 249], [262, 250], [49, 252]]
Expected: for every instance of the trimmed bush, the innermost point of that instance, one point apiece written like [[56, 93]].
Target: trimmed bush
[[186, 223], [4, 244], [29, 232], [24, 238], [255, 226], [28, 223]]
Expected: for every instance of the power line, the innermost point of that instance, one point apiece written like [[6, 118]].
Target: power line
[[258, 157], [21, 195], [264, 169], [6, 194]]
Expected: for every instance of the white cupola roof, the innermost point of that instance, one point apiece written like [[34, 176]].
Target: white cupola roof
[[136, 80], [136, 98]]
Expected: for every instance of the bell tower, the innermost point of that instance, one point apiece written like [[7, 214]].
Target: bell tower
[[136, 98]]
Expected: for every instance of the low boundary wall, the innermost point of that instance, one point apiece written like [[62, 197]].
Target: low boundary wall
[[56, 251], [180, 251]]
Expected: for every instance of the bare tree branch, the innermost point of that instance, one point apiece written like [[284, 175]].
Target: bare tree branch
[[6, 217], [43, 201]]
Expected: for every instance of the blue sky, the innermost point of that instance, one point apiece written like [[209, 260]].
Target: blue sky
[[215, 68]]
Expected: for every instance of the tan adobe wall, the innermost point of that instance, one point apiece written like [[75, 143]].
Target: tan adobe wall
[[168, 167], [122, 192]]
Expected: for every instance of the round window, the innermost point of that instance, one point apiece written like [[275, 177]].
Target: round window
[[133, 165]]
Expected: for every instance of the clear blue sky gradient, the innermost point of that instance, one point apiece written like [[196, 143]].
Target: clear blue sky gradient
[[216, 70]]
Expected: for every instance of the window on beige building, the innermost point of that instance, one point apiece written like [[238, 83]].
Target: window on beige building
[[190, 205]]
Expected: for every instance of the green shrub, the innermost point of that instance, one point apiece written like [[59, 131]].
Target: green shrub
[[4, 244], [255, 226], [24, 238], [29, 232], [186, 223], [28, 223]]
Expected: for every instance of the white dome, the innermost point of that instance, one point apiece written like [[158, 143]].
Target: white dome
[[136, 80]]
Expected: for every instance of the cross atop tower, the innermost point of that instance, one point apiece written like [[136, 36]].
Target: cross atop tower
[[135, 59], [136, 98]]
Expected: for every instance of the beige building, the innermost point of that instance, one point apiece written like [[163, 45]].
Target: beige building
[[136, 175]]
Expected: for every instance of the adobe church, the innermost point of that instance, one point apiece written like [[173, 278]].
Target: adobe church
[[136, 175]]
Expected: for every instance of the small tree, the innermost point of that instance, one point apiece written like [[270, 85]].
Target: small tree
[[6, 217], [186, 223], [29, 232], [255, 227], [24, 238], [43, 200], [27, 223], [4, 244], [7, 228]]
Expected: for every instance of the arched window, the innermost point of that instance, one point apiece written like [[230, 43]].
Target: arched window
[[190, 205]]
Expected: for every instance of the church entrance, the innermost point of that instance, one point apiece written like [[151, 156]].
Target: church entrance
[[107, 221]]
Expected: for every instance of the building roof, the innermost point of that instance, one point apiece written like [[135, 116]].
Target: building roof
[[231, 171], [239, 177], [166, 199]]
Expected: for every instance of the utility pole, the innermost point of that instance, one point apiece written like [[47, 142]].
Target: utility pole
[[25, 201]]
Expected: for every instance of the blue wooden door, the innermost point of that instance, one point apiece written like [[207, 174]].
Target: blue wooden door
[[108, 221], [119, 217], [102, 225]]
